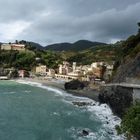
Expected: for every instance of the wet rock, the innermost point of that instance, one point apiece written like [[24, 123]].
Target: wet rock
[[110, 132], [117, 97], [81, 103], [74, 85], [107, 122], [85, 133]]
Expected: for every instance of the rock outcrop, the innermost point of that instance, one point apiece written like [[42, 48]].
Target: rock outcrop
[[128, 69], [117, 97], [74, 85]]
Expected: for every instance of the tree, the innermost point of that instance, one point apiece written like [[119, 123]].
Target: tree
[[131, 122]]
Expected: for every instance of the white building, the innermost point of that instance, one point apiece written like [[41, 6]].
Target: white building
[[64, 68]]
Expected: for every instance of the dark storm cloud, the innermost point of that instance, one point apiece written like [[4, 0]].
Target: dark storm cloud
[[49, 21]]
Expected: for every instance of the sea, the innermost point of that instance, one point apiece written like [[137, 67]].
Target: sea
[[32, 111]]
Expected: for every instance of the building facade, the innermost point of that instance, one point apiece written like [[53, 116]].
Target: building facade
[[18, 47], [41, 70]]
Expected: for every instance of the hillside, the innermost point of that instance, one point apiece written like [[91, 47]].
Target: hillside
[[77, 46], [59, 47], [98, 53], [128, 63], [31, 45]]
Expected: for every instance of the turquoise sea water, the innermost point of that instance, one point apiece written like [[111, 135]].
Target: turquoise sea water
[[36, 112]]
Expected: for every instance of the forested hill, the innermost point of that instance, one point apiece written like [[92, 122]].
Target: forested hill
[[76, 46], [128, 61], [59, 47], [31, 45]]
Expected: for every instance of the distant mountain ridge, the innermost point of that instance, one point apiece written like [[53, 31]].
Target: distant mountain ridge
[[58, 47], [79, 45], [76, 46]]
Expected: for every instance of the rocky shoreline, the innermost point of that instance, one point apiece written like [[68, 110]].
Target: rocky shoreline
[[86, 92], [118, 98]]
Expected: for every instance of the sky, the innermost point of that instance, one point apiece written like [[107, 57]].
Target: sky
[[53, 21]]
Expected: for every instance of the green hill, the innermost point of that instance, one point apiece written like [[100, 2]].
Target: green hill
[[31, 45], [127, 64], [59, 47], [77, 46], [96, 53]]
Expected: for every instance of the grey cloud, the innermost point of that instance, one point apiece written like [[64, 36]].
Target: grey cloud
[[61, 20]]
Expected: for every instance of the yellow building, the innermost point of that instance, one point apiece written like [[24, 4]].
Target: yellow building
[[41, 69], [6, 47]]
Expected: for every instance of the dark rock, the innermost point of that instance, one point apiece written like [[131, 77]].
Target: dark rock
[[81, 103], [74, 85], [129, 68], [85, 133], [107, 122], [117, 97], [110, 132]]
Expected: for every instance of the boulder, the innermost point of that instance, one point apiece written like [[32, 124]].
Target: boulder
[[74, 85], [85, 133], [117, 97], [82, 103]]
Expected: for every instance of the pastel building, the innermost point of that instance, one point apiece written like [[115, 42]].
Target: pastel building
[[18, 47], [64, 68]]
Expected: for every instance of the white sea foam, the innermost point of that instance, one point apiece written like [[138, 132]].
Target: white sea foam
[[27, 91], [11, 92], [102, 112], [55, 90], [76, 134]]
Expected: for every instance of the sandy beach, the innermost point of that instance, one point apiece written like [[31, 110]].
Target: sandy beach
[[90, 93]]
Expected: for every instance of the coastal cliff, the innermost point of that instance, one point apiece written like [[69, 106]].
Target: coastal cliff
[[127, 63], [117, 97], [129, 69]]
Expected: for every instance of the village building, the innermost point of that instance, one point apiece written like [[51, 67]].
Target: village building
[[83, 72], [21, 73], [6, 47], [18, 47], [68, 72], [64, 68], [51, 73], [108, 71], [41, 70]]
